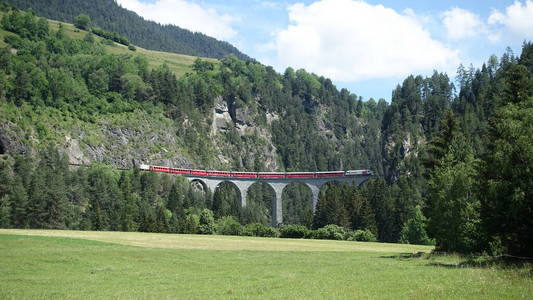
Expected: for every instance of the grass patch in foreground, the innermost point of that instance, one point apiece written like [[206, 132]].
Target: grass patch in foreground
[[36, 267]]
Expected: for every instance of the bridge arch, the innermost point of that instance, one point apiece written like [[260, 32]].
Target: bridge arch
[[227, 199], [259, 203], [201, 183], [297, 200]]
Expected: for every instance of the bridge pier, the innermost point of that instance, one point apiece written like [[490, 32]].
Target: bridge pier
[[315, 191], [243, 187], [277, 205]]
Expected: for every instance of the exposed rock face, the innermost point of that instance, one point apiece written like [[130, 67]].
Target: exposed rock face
[[247, 129], [10, 141], [136, 137], [221, 118], [148, 142], [74, 152], [271, 117]]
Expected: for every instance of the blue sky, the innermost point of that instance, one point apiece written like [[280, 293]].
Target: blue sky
[[366, 46]]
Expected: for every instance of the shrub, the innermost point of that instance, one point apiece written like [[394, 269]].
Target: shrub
[[192, 224], [310, 234], [331, 232], [293, 231], [14, 40], [207, 222], [82, 22], [227, 225], [260, 230], [132, 48], [361, 236]]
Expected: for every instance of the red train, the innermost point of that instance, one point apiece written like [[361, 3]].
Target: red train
[[264, 175]]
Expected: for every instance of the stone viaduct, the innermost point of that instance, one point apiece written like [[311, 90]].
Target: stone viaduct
[[277, 184]]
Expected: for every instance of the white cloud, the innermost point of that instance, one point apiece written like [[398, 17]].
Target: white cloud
[[350, 40], [462, 23], [184, 14], [517, 19]]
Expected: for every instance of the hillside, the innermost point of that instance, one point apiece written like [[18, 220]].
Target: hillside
[[108, 15], [179, 64]]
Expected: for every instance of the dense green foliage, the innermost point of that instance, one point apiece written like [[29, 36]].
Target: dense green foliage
[[110, 36], [83, 21], [111, 17]]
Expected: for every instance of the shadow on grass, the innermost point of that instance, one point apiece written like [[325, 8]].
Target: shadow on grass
[[407, 256], [501, 262]]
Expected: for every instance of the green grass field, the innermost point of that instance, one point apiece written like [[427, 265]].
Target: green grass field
[[39, 264]]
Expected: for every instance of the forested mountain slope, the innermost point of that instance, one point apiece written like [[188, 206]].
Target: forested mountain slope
[[108, 15], [446, 156]]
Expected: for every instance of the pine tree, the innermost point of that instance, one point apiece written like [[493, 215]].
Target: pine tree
[[37, 200], [507, 206], [5, 195], [361, 212], [452, 203], [19, 203], [414, 230], [382, 201], [54, 167], [129, 204]]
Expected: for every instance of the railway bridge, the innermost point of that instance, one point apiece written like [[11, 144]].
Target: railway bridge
[[277, 180]]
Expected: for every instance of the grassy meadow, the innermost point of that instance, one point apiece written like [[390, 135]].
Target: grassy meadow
[[41, 264]]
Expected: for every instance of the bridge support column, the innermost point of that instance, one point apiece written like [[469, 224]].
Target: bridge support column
[[315, 191], [243, 187], [277, 205]]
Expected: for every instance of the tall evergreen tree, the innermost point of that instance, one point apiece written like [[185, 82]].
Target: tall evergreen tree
[[507, 206], [19, 203], [452, 204], [129, 204]]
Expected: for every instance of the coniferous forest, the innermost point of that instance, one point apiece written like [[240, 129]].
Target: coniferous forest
[[453, 158]]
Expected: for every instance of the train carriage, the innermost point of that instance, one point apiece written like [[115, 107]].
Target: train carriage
[[159, 169], [244, 174], [270, 175], [328, 174], [199, 172], [300, 174], [180, 171], [219, 173]]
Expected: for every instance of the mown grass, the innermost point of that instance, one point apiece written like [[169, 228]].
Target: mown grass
[[60, 267]]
